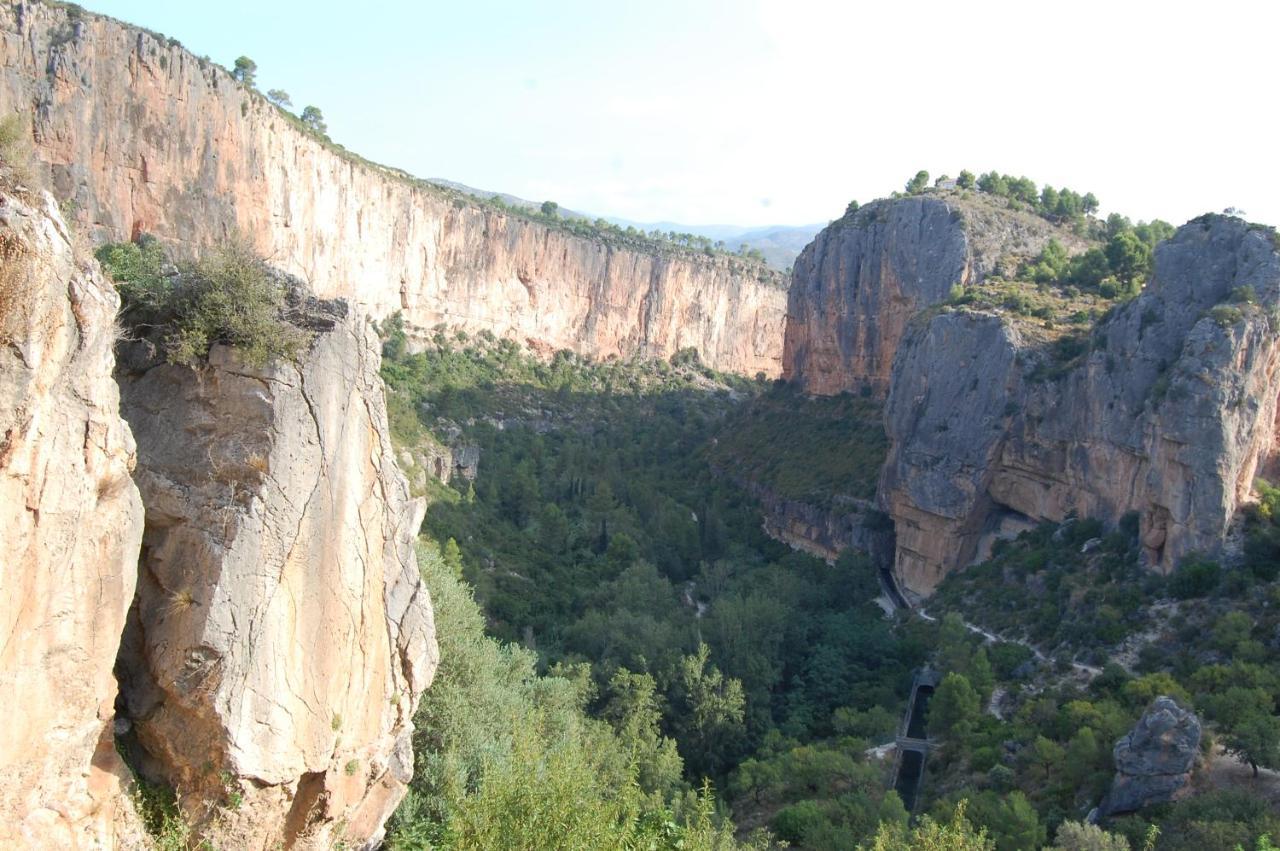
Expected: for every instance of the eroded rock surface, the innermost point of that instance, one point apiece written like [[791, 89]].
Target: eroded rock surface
[[145, 137], [71, 521], [1154, 761], [281, 636], [860, 281], [1168, 411]]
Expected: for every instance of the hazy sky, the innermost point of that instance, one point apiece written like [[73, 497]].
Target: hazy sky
[[776, 111]]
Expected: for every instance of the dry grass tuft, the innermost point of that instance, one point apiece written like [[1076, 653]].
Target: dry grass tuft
[[179, 602]]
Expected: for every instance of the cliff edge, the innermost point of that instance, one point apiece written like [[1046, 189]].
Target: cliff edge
[[144, 137], [856, 286], [281, 635], [71, 521], [1166, 408]]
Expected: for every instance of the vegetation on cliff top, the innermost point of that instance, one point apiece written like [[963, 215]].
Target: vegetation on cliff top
[[1057, 205], [227, 296]]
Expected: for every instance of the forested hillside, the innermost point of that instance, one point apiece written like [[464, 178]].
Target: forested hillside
[[608, 550], [598, 534]]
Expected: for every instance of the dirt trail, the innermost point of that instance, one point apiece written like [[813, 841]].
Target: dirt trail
[[1036, 651]]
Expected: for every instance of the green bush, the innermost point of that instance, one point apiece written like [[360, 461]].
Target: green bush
[[15, 147], [157, 806], [1195, 578], [1226, 315], [228, 296]]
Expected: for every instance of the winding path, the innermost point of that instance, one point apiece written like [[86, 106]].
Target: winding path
[[1036, 651]]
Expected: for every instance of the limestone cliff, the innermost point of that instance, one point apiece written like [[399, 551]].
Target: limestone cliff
[[145, 137], [859, 282], [71, 521], [281, 636], [1168, 410]]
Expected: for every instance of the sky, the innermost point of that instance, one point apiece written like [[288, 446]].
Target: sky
[[756, 112]]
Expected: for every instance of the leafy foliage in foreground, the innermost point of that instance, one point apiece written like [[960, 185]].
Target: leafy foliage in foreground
[[506, 758]]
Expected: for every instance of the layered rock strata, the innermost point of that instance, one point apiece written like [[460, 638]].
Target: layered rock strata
[[1167, 410], [143, 137], [856, 286], [71, 521], [281, 635]]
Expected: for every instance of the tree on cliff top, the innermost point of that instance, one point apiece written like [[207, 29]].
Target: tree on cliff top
[[245, 70], [550, 208], [917, 184], [313, 119], [279, 97]]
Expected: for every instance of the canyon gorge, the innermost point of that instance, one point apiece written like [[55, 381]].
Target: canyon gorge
[[213, 575]]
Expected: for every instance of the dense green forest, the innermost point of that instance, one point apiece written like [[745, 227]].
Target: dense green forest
[[662, 644], [598, 537]]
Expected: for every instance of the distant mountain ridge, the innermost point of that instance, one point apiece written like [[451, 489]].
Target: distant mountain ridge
[[780, 244]]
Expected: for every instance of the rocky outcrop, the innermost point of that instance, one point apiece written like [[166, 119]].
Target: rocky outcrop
[[440, 459], [946, 433], [1154, 761], [281, 635], [856, 286], [1167, 409], [71, 522], [818, 531], [144, 137]]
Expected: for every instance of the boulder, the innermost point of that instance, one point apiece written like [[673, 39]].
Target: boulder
[[1154, 761]]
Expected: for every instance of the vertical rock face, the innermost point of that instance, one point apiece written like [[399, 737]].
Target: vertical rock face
[[1154, 761], [946, 418], [71, 522], [281, 636], [144, 137], [1170, 412], [859, 282]]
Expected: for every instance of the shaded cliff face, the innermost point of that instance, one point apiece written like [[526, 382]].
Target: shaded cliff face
[[281, 635], [143, 137], [1169, 412], [859, 282], [71, 522]]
